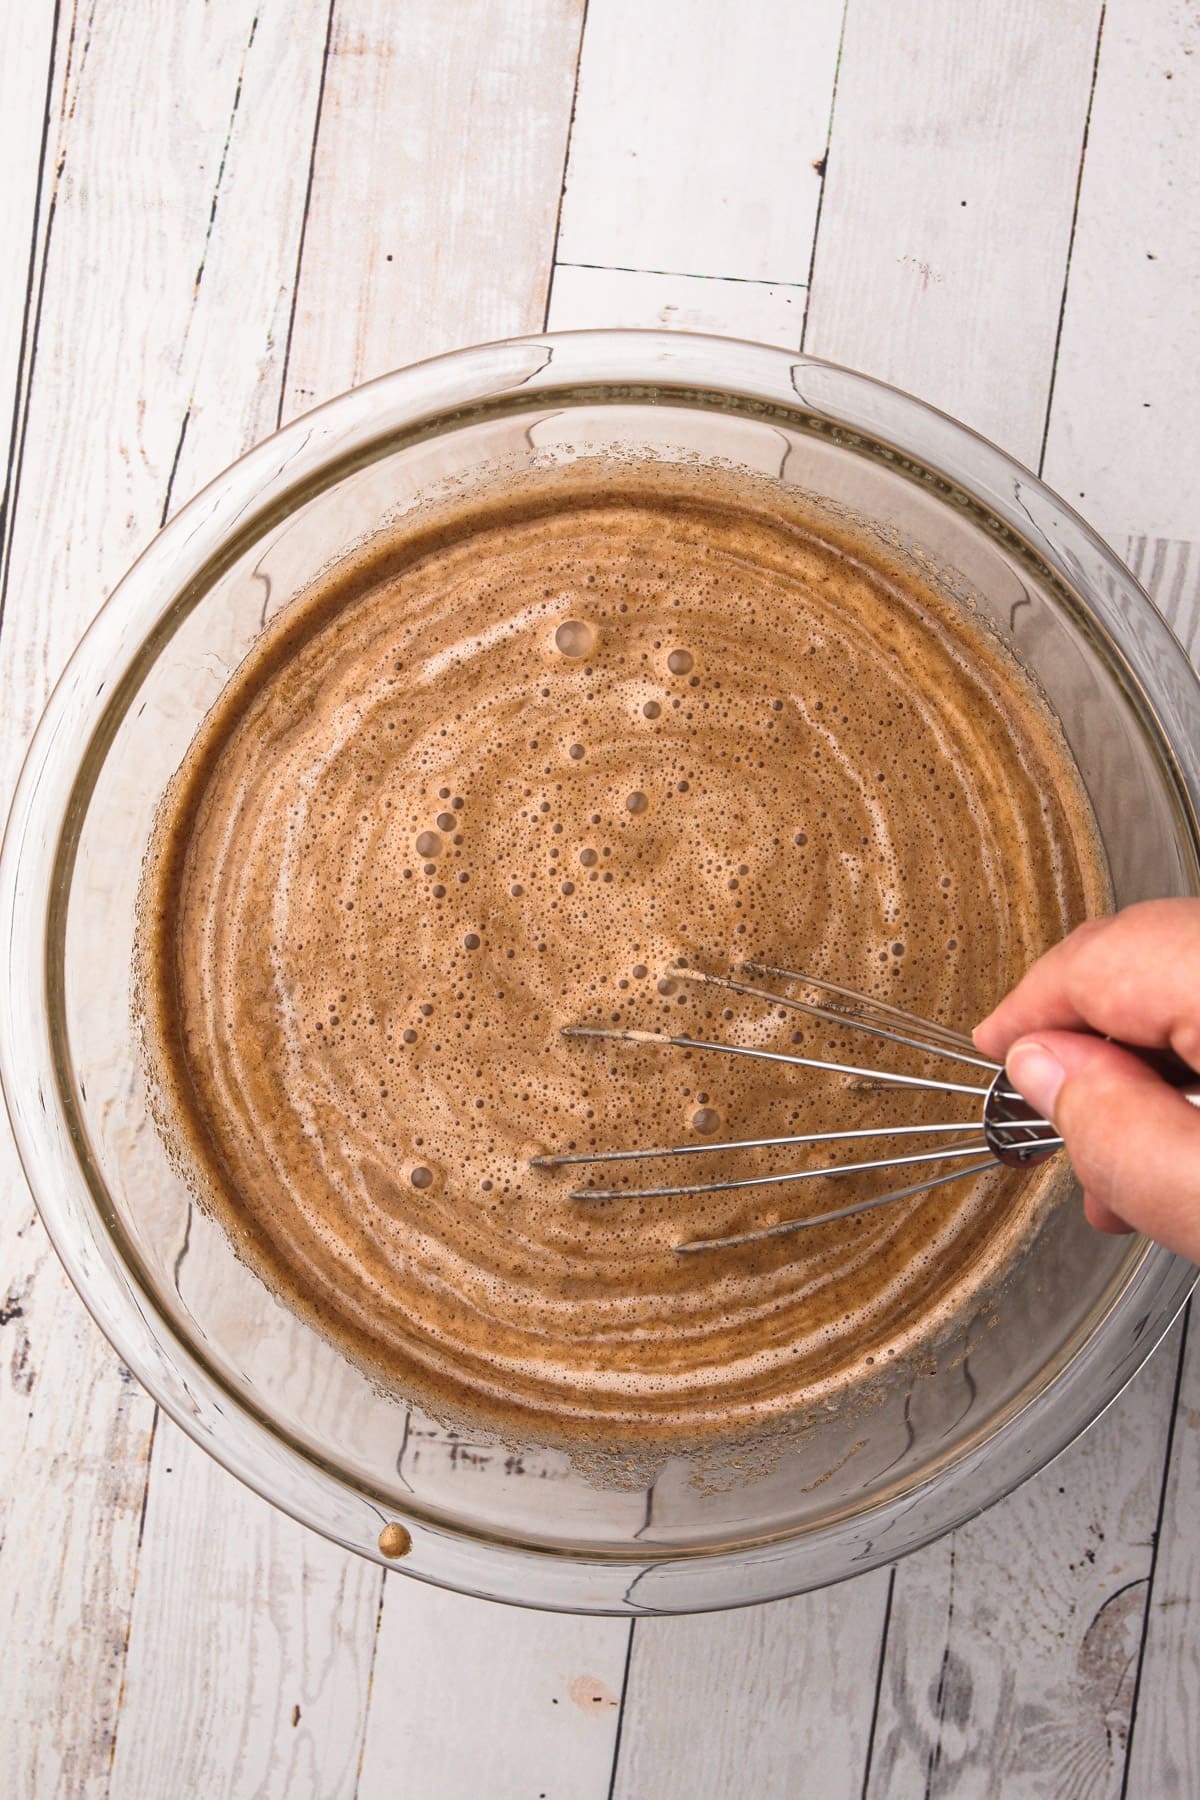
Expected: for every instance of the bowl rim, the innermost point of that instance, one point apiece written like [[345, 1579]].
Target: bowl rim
[[48, 807]]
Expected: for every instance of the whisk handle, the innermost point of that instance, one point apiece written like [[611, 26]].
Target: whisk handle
[[1017, 1137]]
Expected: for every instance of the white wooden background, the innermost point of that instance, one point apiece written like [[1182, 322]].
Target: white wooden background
[[215, 215]]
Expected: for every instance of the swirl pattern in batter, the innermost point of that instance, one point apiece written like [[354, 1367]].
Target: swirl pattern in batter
[[495, 776]]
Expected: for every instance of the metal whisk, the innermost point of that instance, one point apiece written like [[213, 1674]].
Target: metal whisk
[[1005, 1130]]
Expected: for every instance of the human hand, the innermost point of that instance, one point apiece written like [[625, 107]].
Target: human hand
[[1133, 1139]]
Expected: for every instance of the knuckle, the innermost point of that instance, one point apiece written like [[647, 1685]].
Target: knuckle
[[1091, 929]]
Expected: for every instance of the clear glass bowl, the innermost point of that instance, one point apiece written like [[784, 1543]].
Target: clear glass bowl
[[276, 1404]]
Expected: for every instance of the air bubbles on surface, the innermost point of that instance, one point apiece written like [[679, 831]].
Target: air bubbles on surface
[[575, 639], [492, 1255]]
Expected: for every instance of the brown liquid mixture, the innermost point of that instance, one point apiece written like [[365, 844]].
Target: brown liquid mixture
[[494, 777]]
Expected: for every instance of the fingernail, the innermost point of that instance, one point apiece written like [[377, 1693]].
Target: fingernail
[[1036, 1074]]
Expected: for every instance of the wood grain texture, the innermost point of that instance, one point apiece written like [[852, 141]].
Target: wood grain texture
[[698, 134], [251, 1648], [76, 1433], [232, 359], [436, 185], [1127, 392], [169, 1652], [770, 1700], [472, 1698], [949, 199], [135, 200], [265, 1693], [773, 1700], [582, 299], [1012, 1647], [464, 1696], [1008, 1666], [25, 77], [1164, 1752]]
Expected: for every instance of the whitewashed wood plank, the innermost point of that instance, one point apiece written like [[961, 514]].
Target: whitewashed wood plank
[[1013, 1643], [1035, 1687], [948, 203], [698, 137], [251, 1647], [773, 1700], [232, 359], [437, 184], [472, 1698], [461, 191], [258, 1553], [582, 299], [1164, 1751], [974, 310], [768, 1700], [1127, 390], [266, 1691], [76, 1432], [71, 1517], [133, 197], [214, 1473], [1056, 1723], [25, 71], [1003, 1671]]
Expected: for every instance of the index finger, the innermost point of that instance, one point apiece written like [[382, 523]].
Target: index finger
[[1134, 976]]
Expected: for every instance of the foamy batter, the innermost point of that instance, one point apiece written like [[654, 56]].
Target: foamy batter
[[494, 778]]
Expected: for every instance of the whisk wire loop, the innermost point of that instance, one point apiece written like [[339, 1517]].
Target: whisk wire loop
[[1006, 1130]]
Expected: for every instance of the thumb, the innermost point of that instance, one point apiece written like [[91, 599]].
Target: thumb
[[1133, 1140]]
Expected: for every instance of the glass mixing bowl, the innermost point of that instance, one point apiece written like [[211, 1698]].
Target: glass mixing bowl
[[251, 1382]]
